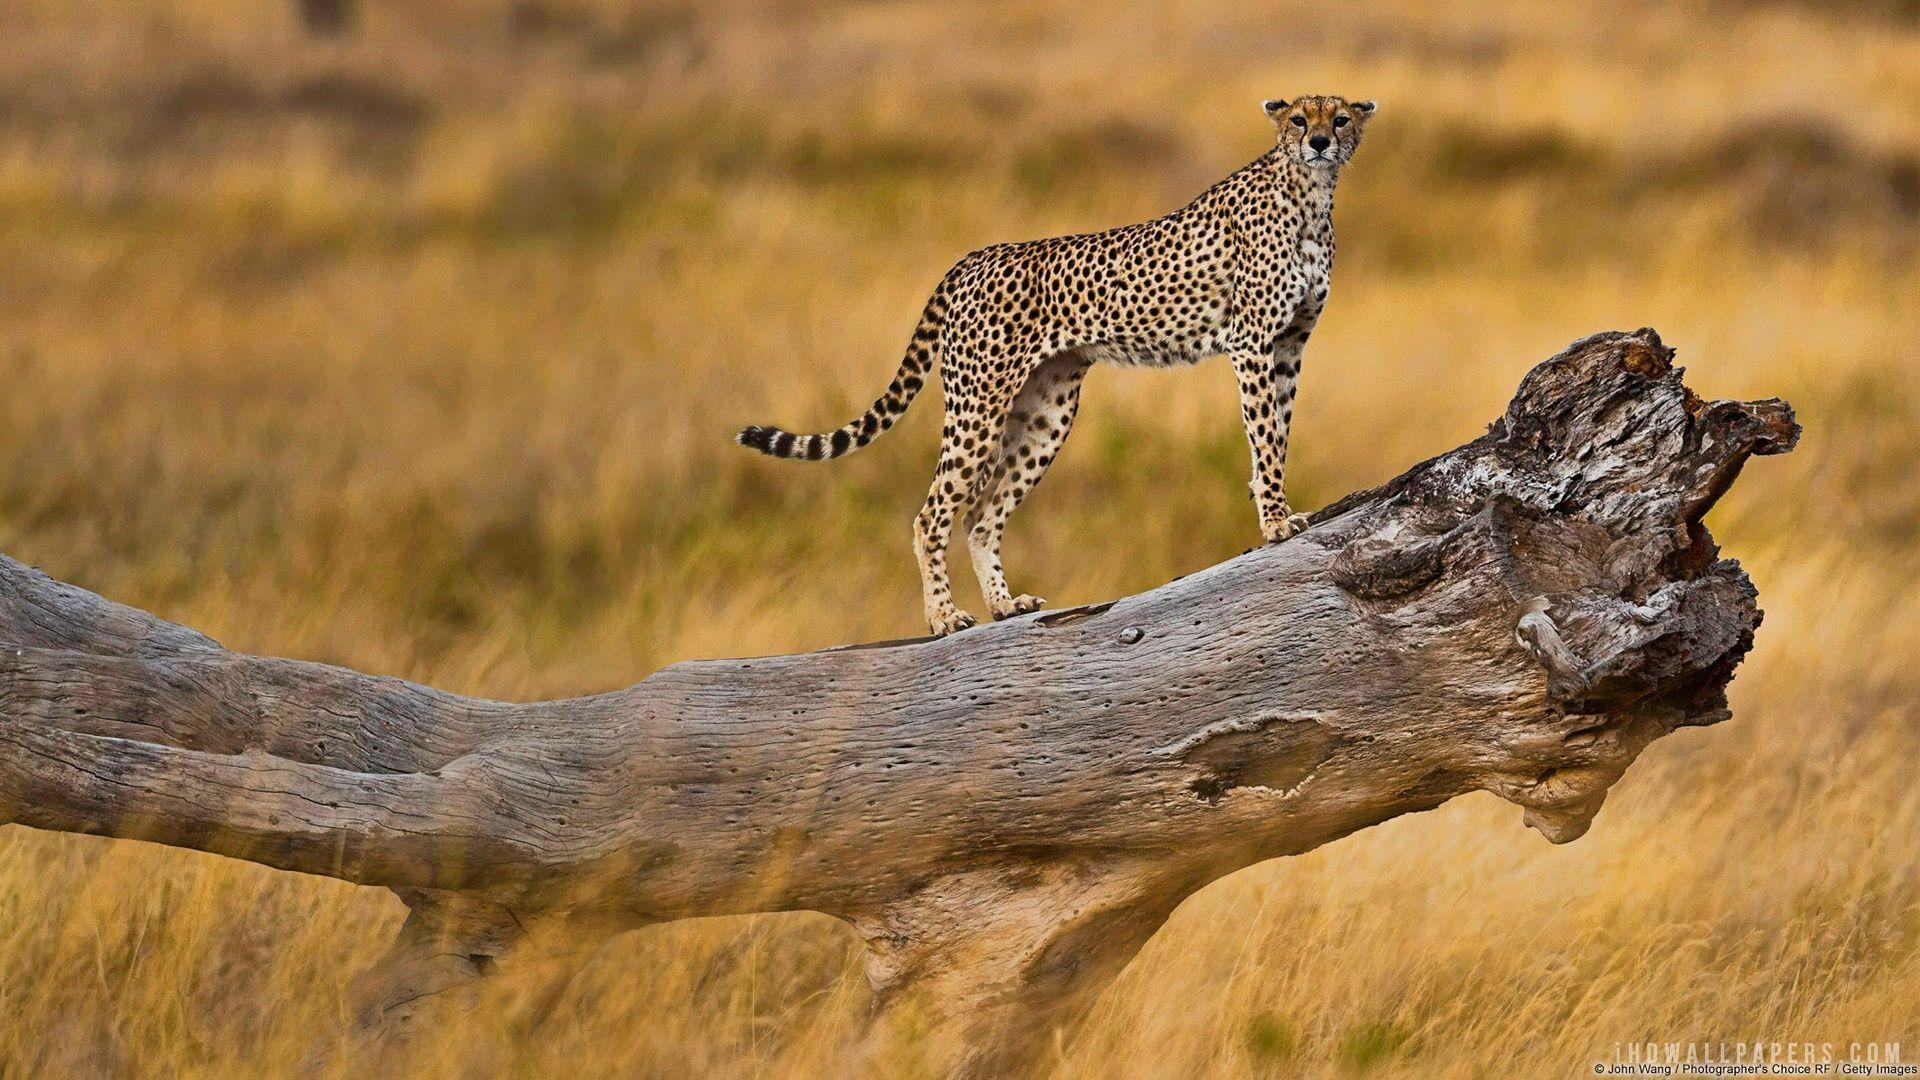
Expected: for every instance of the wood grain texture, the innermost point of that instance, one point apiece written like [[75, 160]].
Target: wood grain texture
[[1005, 815]]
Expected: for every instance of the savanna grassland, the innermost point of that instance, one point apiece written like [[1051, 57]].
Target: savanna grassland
[[419, 350]]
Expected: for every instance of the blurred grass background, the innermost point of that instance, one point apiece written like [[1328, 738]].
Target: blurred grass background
[[418, 347]]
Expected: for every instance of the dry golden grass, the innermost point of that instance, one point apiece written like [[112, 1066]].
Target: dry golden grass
[[420, 352]]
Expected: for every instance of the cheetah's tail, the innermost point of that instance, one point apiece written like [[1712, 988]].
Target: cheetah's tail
[[866, 427]]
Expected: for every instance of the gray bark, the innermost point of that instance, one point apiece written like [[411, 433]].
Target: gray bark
[[1005, 815]]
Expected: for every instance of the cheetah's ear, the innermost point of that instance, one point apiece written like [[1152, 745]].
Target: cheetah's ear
[[1273, 105], [1365, 108]]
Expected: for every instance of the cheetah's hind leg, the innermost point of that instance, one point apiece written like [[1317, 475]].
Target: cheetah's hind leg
[[1037, 426], [976, 416]]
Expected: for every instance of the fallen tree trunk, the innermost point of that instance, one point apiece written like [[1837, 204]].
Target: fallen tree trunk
[[1006, 815]]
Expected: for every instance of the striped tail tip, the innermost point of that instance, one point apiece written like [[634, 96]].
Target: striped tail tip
[[785, 444], [758, 438], [781, 444]]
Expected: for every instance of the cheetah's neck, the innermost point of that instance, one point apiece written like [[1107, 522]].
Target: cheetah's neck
[[1276, 199], [1295, 184]]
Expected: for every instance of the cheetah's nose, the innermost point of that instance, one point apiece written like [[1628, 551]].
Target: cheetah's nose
[[1319, 142]]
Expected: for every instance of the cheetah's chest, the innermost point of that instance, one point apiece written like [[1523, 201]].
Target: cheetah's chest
[[1312, 266]]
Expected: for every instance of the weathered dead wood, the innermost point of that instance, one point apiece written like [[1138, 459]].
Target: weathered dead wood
[[1005, 815]]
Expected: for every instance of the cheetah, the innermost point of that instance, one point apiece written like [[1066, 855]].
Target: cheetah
[[1242, 270]]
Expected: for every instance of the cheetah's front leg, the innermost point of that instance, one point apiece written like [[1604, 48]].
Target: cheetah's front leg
[[1266, 406]]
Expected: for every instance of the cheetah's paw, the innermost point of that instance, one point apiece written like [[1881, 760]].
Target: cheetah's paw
[[1283, 529], [1019, 605], [952, 621]]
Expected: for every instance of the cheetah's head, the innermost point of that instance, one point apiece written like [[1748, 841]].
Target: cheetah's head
[[1319, 132]]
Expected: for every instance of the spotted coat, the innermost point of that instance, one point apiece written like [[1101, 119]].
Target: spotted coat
[[1241, 271]]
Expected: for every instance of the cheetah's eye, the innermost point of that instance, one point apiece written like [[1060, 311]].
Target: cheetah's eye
[[1299, 121], [1339, 121]]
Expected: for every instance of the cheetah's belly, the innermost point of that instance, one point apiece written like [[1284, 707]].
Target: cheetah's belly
[[1170, 352], [1172, 333]]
